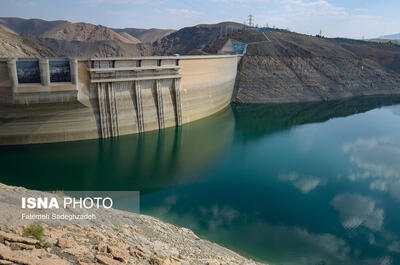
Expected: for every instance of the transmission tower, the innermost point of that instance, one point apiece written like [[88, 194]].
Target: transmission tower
[[251, 20]]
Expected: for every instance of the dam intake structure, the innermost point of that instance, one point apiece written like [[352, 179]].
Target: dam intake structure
[[57, 99]]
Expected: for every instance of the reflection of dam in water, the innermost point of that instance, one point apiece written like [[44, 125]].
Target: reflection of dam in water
[[160, 159], [55, 100], [145, 162]]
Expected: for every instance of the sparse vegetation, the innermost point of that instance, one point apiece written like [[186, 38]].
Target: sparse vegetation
[[59, 193], [34, 230], [47, 245]]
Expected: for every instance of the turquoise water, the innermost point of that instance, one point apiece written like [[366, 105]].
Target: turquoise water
[[290, 184]]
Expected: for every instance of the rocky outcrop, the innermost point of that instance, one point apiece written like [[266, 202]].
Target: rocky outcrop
[[189, 39], [113, 238]]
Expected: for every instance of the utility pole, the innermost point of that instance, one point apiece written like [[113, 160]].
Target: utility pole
[[251, 20]]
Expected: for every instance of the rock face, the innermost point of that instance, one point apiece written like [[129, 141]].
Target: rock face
[[185, 40], [146, 35], [113, 238], [289, 67]]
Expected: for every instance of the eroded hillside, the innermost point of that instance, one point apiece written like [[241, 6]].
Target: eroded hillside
[[41, 38], [291, 67]]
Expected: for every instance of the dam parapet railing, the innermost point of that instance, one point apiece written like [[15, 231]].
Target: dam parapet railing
[[63, 99]]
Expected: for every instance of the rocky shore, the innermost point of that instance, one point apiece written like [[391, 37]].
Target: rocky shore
[[114, 237]]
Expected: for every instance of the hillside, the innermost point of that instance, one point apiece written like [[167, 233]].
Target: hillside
[[291, 67], [146, 35], [64, 30], [386, 41], [104, 48], [185, 40], [38, 38], [12, 45]]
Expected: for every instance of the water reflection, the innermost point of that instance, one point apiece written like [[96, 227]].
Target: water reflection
[[275, 243], [254, 121], [304, 183], [148, 162], [285, 184], [356, 210]]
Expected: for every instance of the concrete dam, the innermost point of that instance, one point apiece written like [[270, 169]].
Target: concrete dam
[[56, 100]]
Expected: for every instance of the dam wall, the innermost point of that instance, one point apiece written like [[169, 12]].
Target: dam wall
[[55, 100]]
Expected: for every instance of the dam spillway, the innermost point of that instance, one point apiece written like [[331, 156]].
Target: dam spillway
[[54, 100]]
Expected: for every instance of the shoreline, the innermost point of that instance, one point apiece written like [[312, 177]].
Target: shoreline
[[114, 237]]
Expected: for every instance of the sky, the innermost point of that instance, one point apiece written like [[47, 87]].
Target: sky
[[335, 18]]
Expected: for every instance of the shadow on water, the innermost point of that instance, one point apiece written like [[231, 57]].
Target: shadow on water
[[147, 162], [255, 121]]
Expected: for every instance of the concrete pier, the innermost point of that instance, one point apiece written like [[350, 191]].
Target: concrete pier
[[178, 104], [45, 74], [12, 71], [139, 107], [160, 108], [73, 63]]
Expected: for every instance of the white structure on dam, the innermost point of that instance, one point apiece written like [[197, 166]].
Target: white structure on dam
[[54, 100]]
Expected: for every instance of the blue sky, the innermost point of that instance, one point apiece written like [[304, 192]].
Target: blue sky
[[351, 18]]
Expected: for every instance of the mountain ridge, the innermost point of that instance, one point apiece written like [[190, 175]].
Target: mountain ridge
[[64, 30], [391, 37]]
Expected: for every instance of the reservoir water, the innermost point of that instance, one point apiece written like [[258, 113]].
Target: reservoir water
[[315, 183]]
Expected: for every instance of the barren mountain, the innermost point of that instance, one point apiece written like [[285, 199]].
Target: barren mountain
[[86, 32], [94, 48], [290, 67], [64, 30], [38, 38], [186, 40], [146, 35], [12, 45]]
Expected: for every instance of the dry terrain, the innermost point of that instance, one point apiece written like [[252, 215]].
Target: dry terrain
[[113, 237], [291, 67], [39, 38], [146, 35]]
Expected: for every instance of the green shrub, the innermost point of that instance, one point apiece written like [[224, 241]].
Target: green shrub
[[34, 230], [47, 245]]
